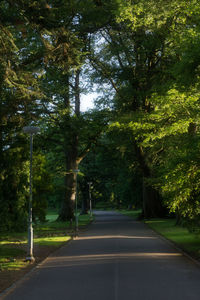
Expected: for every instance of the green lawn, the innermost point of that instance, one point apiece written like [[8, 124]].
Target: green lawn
[[11, 257], [52, 215], [179, 235], [55, 241], [48, 234], [131, 213], [186, 240]]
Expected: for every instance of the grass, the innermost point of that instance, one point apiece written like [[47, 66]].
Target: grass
[[52, 226], [52, 216], [186, 240], [12, 265], [131, 213], [6, 252], [55, 241], [179, 235], [11, 258], [48, 234], [84, 220]]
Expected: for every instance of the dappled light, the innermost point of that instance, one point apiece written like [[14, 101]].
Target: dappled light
[[100, 148], [67, 261], [97, 237], [113, 260]]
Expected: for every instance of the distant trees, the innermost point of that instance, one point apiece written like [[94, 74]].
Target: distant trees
[[113, 171]]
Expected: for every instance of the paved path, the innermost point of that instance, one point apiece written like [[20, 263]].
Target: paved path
[[116, 259]]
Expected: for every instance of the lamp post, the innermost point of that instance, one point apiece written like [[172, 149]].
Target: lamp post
[[76, 202], [90, 198], [30, 130]]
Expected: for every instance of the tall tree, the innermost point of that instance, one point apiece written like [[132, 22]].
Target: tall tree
[[18, 92]]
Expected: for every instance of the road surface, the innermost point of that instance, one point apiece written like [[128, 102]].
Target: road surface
[[117, 258]]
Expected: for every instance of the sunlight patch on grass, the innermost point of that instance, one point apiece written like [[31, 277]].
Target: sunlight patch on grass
[[48, 234], [8, 242], [9, 265], [52, 241], [11, 258]]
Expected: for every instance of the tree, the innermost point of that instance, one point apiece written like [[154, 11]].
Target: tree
[[144, 57], [137, 56], [116, 180], [18, 91]]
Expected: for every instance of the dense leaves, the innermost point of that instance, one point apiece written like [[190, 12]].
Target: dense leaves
[[140, 146]]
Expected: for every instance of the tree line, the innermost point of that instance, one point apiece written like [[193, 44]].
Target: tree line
[[139, 146]]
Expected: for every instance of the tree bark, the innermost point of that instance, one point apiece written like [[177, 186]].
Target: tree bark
[[152, 201], [68, 203], [71, 161]]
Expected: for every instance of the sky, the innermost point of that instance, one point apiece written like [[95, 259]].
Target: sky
[[87, 101]]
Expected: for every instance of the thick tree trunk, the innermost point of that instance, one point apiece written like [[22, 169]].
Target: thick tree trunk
[[85, 205], [68, 203], [73, 157], [152, 201], [71, 161]]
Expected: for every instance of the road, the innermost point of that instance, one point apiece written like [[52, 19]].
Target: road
[[117, 258]]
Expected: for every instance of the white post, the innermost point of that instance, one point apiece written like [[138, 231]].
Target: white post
[[76, 202], [30, 130], [90, 198]]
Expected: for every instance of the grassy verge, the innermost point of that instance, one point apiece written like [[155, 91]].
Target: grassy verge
[[131, 213], [179, 235], [104, 206], [47, 237]]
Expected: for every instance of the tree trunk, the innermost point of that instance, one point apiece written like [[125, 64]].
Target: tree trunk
[[68, 203], [85, 204], [152, 201], [71, 161]]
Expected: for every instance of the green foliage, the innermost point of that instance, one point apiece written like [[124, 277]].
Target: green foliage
[[42, 187], [115, 179], [12, 184], [169, 136], [154, 73], [144, 57]]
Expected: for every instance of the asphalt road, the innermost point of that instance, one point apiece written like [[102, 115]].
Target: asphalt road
[[116, 259]]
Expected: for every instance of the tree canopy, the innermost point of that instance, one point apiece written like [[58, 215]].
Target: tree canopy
[[139, 146]]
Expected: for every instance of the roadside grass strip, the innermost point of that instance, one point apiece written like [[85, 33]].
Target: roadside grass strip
[[131, 213], [51, 233], [55, 241], [188, 241], [179, 235], [11, 258]]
